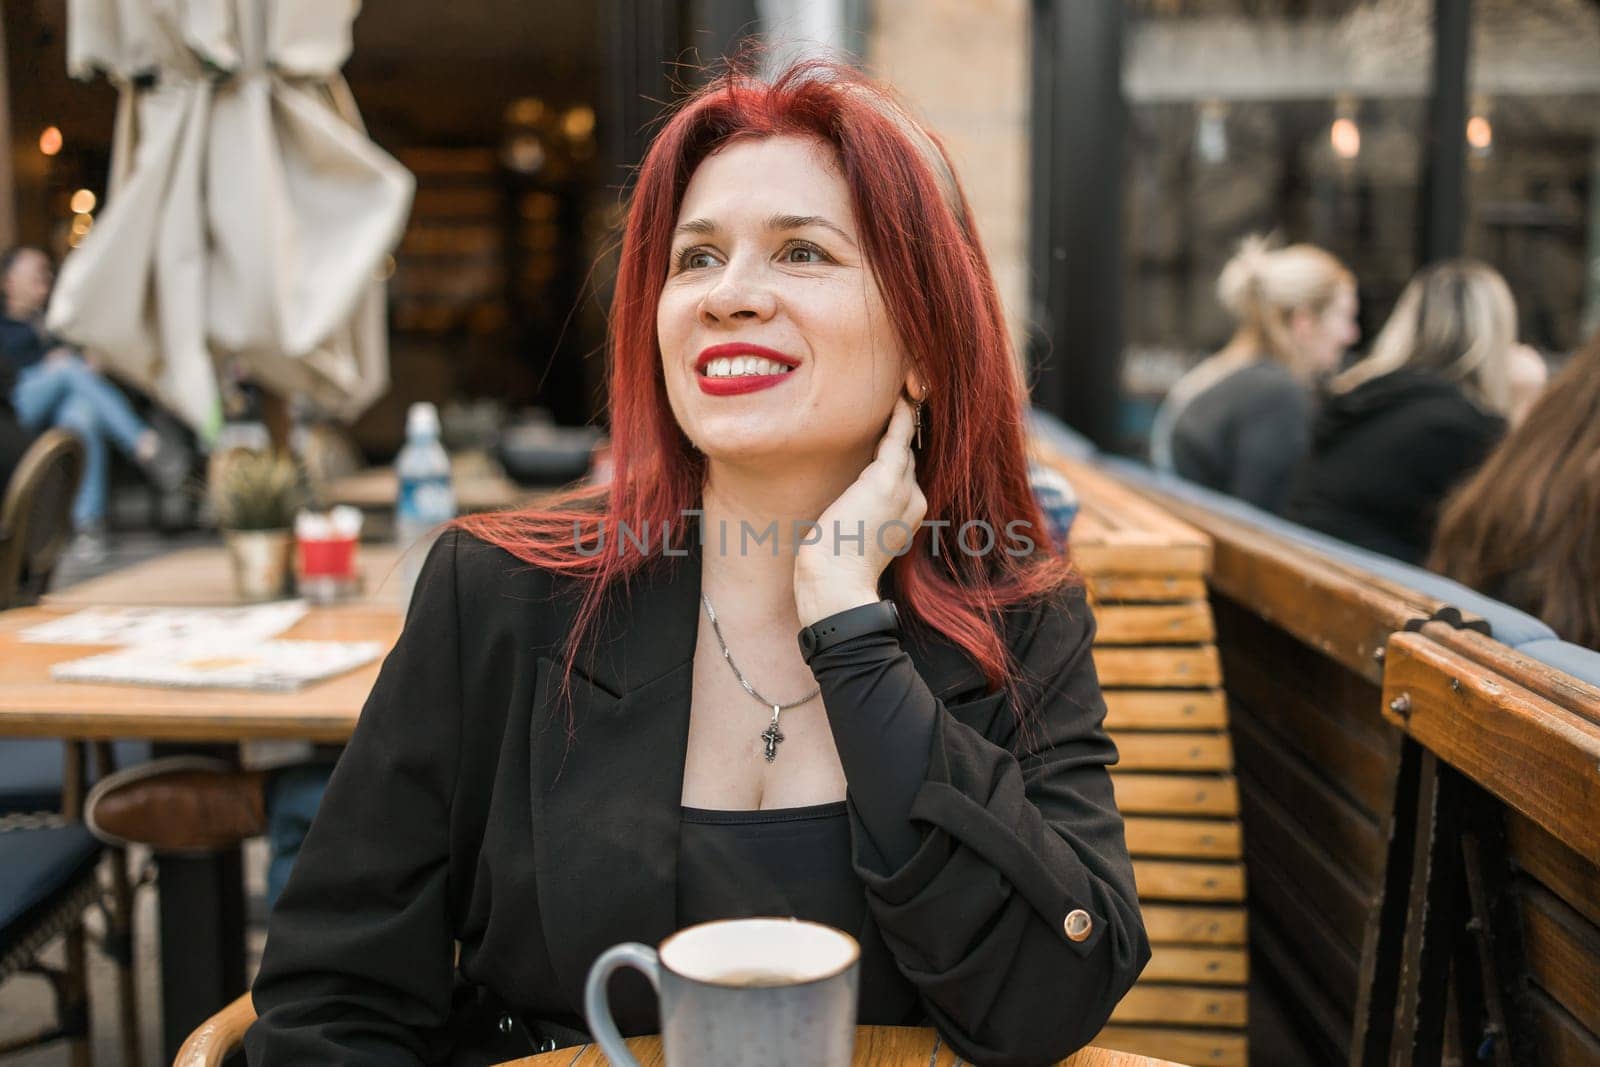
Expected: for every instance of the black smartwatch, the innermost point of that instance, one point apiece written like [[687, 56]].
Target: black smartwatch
[[878, 617]]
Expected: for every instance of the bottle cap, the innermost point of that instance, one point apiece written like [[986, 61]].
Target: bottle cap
[[422, 420]]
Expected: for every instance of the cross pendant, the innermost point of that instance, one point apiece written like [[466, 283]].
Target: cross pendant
[[772, 736]]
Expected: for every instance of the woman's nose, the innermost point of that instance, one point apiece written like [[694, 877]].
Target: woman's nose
[[736, 297]]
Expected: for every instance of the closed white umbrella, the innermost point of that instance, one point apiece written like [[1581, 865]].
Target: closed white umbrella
[[248, 213]]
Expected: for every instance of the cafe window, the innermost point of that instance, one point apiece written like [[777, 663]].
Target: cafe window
[[1308, 120], [1259, 119]]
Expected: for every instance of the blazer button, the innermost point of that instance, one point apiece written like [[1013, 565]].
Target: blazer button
[[506, 1024], [1077, 925], [547, 1045]]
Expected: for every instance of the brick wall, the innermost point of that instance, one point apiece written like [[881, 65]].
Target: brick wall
[[962, 66]]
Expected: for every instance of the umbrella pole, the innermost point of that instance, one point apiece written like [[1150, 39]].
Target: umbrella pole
[[275, 414]]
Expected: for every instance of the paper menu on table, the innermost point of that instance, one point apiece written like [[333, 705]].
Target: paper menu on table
[[142, 625], [276, 666]]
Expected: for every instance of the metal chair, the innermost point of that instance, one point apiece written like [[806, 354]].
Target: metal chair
[[36, 516], [49, 863], [50, 876]]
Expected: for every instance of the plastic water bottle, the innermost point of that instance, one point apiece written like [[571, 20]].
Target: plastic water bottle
[[426, 498], [1056, 498]]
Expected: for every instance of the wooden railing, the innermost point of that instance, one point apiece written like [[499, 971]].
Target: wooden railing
[[1421, 813], [1505, 886]]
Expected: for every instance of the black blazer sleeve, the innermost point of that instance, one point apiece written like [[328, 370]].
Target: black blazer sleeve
[[1011, 846], [358, 962]]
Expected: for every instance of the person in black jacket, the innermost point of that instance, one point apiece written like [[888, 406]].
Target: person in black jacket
[[598, 724], [1398, 430]]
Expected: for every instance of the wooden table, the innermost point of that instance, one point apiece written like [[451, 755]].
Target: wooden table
[[32, 704], [876, 1046], [477, 488], [201, 898], [203, 577]]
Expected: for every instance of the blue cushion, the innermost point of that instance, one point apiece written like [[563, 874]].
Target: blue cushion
[[1508, 625], [36, 866], [30, 771], [1582, 663], [1059, 436]]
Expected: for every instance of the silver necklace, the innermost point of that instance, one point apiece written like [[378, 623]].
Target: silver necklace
[[771, 735]]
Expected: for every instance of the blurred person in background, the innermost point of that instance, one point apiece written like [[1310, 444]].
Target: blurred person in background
[[1398, 430], [1240, 421], [50, 384], [1526, 528]]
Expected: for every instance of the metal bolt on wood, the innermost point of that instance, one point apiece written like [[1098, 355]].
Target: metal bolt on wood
[[1401, 705]]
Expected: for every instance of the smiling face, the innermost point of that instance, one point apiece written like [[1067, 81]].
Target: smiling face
[[775, 341]]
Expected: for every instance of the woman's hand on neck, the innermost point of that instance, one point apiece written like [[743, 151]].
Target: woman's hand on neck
[[752, 516], [804, 538]]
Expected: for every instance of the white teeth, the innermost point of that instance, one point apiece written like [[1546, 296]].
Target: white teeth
[[740, 366]]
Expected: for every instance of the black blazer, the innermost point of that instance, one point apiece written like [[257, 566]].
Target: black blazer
[[460, 815]]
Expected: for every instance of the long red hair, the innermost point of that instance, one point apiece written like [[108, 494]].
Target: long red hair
[[936, 282]]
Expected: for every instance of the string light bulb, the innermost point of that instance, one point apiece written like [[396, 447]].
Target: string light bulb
[[1480, 134], [1345, 137]]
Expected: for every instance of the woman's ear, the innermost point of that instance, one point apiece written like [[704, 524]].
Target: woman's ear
[[1302, 325], [914, 387]]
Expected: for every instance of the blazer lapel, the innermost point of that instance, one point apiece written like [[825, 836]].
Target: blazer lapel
[[606, 805]]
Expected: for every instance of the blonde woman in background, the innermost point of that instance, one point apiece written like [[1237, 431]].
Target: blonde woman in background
[[1400, 428], [1240, 421]]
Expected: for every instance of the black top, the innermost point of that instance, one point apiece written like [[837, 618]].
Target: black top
[[21, 345], [1244, 435], [786, 862], [1383, 458], [474, 810]]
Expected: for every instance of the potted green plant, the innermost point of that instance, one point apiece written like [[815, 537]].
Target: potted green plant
[[255, 496]]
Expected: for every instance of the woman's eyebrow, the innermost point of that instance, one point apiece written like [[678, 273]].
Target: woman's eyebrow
[[800, 222], [706, 227], [697, 227]]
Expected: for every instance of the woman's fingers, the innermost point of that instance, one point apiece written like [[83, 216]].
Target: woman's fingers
[[894, 448]]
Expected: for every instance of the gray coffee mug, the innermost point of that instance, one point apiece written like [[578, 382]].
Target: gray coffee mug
[[740, 993]]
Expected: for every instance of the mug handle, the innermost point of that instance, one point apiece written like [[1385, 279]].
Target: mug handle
[[597, 1007]]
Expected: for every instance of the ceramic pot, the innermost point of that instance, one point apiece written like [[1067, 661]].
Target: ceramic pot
[[261, 563]]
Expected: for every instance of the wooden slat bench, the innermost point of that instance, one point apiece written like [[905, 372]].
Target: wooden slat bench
[[1156, 654]]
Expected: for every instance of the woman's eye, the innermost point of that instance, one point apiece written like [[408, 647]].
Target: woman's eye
[[804, 254], [695, 259]]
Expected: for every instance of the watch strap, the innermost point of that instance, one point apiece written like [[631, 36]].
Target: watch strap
[[878, 617]]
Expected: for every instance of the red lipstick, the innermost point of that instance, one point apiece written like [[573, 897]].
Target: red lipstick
[[744, 383]]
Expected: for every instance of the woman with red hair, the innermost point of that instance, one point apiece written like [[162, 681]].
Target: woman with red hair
[[598, 725]]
